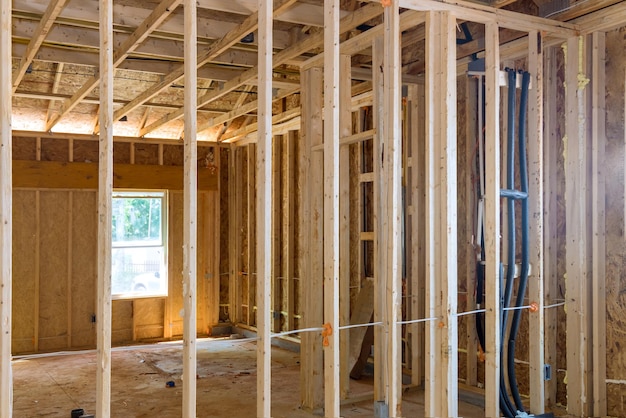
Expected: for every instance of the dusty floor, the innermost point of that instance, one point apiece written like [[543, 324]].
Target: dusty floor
[[226, 385]]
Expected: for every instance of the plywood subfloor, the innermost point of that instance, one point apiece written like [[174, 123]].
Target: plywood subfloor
[[53, 386]]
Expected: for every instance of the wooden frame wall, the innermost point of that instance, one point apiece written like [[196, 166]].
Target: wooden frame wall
[[6, 208]]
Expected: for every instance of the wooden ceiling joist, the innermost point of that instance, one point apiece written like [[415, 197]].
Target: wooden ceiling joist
[[47, 20], [351, 21], [247, 26], [153, 21]]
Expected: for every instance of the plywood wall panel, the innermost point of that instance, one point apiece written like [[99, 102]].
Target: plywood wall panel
[[85, 151], [146, 153], [84, 262], [121, 152], [122, 322], [54, 149], [148, 317], [24, 148], [53, 289], [24, 271]]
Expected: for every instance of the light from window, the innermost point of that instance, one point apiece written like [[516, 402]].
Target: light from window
[[139, 245]]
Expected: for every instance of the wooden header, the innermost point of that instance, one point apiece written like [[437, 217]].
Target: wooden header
[[57, 175]]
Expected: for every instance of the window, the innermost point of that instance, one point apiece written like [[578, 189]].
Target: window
[[139, 256]]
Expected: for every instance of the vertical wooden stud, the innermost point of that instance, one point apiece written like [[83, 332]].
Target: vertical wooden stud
[[550, 255], [278, 279], [289, 227], [472, 136], [235, 192], [577, 260], [6, 196], [105, 196], [598, 141], [345, 129], [264, 211], [190, 211], [380, 219], [535, 208], [311, 290], [331, 206], [442, 335], [393, 156], [492, 221]]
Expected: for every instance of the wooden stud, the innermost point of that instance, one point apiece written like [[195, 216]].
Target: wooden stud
[[345, 129], [473, 134], [331, 206], [577, 258], [550, 254], [289, 228], [487, 14], [598, 179], [361, 15], [393, 156], [277, 209], [190, 211], [105, 196], [251, 229], [264, 211], [536, 232], [37, 259], [492, 222], [380, 217], [70, 217], [311, 291], [6, 219]]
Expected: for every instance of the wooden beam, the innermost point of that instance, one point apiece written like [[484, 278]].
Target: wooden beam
[[492, 222], [153, 21], [598, 210], [550, 253], [45, 23], [105, 193], [190, 212], [57, 175], [362, 15], [442, 143], [6, 218], [579, 381], [264, 242], [331, 207], [379, 234], [393, 155], [289, 225], [536, 231], [345, 130], [250, 24], [235, 192], [311, 291], [475, 12]]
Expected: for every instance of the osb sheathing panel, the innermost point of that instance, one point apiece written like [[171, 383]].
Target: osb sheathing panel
[[53, 281], [174, 155], [84, 267], [122, 321], [54, 149], [85, 151], [28, 114], [121, 152], [148, 316], [24, 148], [146, 153], [40, 79], [615, 234], [24, 271]]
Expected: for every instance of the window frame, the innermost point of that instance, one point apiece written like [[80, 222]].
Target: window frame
[[164, 242]]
